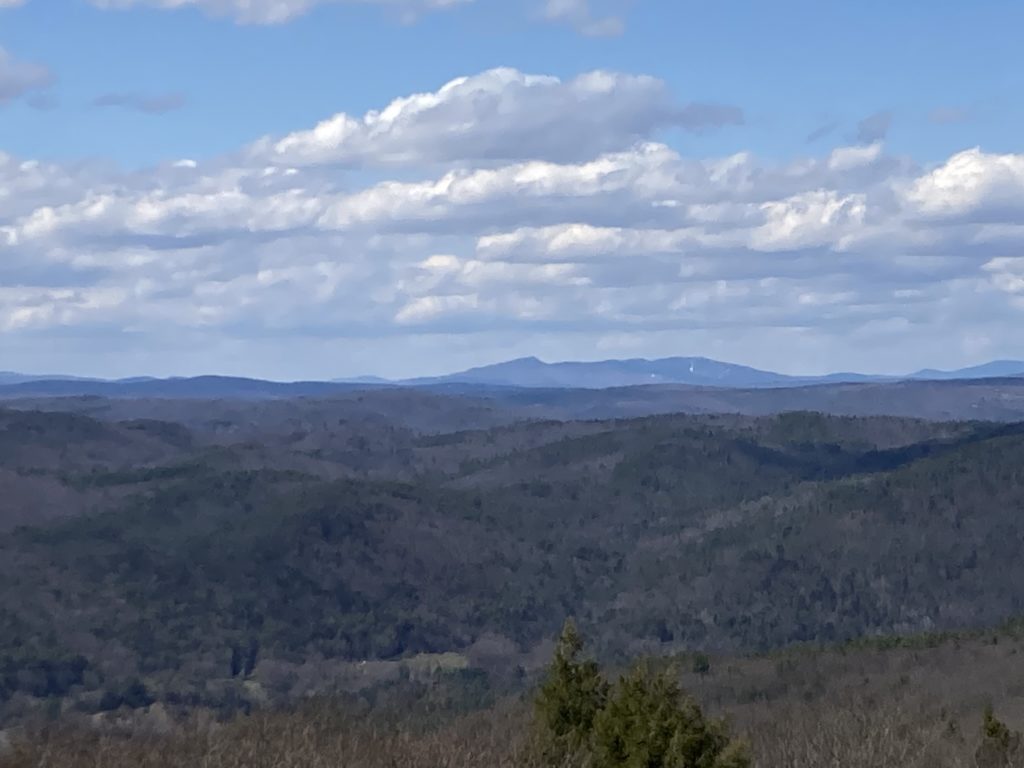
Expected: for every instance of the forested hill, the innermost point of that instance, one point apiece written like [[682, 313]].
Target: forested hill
[[148, 553], [448, 405]]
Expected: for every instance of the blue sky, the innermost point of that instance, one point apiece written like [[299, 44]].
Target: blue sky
[[792, 66], [810, 185]]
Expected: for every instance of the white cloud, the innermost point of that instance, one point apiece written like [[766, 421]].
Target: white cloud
[[501, 114], [616, 244], [847, 158], [820, 218], [1007, 274], [971, 182], [425, 308], [584, 242]]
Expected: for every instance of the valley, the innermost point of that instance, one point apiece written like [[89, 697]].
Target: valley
[[219, 552]]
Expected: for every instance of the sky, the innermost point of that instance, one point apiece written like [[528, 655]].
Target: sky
[[316, 189]]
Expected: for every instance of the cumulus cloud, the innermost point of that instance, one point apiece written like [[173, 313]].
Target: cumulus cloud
[[19, 78], [156, 104], [845, 158], [1007, 274], [501, 114], [612, 241], [972, 183]]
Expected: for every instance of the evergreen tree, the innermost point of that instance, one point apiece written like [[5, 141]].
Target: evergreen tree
[[649, 723], [645, 722], [572, 695]]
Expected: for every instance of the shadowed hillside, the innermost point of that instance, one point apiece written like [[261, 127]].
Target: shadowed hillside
[[215, 565]]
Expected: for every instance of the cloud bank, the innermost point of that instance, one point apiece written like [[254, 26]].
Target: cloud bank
[[501, 114], [520, 211]]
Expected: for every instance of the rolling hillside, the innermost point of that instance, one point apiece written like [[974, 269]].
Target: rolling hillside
[[189, 557]]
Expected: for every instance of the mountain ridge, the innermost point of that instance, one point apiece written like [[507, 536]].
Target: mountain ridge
[[524, 372]]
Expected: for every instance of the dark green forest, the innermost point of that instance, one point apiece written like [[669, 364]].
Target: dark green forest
[[233, 561]]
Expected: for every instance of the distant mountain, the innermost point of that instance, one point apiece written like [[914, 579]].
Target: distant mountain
[[198, 387], [362, 380], [530, 372], [10, 377], [995, 369], [522, 373], [693, 371]]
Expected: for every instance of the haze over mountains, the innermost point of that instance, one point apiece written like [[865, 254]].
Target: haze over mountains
[[449, 407], [692, 371], [527, 372]]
